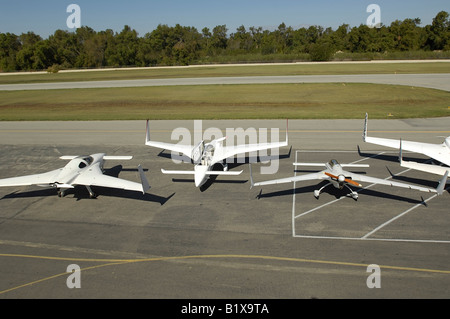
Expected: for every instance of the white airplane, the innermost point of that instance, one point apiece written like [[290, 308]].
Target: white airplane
[[434, 169], [439, 152], [206, 155], [338, 177], [81, 170]]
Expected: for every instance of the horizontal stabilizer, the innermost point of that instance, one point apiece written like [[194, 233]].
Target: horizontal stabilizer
[[106, 157], [309, 164], [323, 165], [206, 173], [223, 173], [117, 158], [57, 185], [178, 172], [355, 165]]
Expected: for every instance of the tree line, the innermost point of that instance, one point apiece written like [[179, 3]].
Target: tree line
[[181, 45]]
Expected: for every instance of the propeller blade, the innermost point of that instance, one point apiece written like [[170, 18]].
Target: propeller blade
[[350, 181], [347, 180], [331, 175]]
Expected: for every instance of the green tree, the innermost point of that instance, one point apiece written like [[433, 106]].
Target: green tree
[[219, 38], [439, 32], [9, 47]]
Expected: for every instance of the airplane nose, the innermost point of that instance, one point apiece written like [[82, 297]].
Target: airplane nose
[[200, 175]]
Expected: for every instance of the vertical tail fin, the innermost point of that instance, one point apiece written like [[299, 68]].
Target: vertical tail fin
[[365, 127]]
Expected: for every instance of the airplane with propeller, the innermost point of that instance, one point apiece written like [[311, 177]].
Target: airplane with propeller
[[205, 155], [339, 178], [81, 170]]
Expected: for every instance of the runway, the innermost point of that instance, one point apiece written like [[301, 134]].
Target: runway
[[227, 240], [440, 81]]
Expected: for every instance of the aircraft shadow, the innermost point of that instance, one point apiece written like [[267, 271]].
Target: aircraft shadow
[[390, 158], [80, 192], [211, 180], [115, 170], [251, 159], [337, 193]]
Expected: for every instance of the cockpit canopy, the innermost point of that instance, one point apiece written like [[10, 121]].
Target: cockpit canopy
[[332, 163], [85, 161]]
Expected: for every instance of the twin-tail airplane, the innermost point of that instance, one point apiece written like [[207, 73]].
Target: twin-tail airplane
[[205, 155], [438, 152], [81, 170], [338, 177]]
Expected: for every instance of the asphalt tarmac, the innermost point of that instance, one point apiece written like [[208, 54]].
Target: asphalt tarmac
[[225, 240]]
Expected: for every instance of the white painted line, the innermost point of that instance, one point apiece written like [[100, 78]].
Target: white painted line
[[365, 237], [376, 239], [336, 200], [293, 200], [398, 216]]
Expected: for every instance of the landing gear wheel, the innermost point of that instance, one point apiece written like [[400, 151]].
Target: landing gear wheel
[[92, 195]]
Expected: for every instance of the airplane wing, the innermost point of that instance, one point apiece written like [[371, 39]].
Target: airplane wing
[[105, 157], [184, 149], [230, 151], [95, 177], [306, 177], [433, 169], [35, 179], [374, 180], [430, 150]]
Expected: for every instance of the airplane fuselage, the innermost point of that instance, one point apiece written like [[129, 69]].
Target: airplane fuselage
[[75, 167], [206, 162], [336, 169]]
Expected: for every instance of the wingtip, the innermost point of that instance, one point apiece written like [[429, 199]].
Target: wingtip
[[251, 177], [147, 132], [144, 181], [442, 183]]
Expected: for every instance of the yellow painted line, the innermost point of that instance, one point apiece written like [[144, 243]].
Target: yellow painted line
[[55, 276], [112, 262]]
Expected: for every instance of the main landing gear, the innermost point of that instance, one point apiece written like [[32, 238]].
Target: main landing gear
[[352, 194], [62, 193]]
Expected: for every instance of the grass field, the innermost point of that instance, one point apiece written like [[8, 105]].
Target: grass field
[[224, 70], [258, 101], [264, 101]]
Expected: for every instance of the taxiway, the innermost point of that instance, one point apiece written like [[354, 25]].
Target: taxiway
[[227, 240]]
